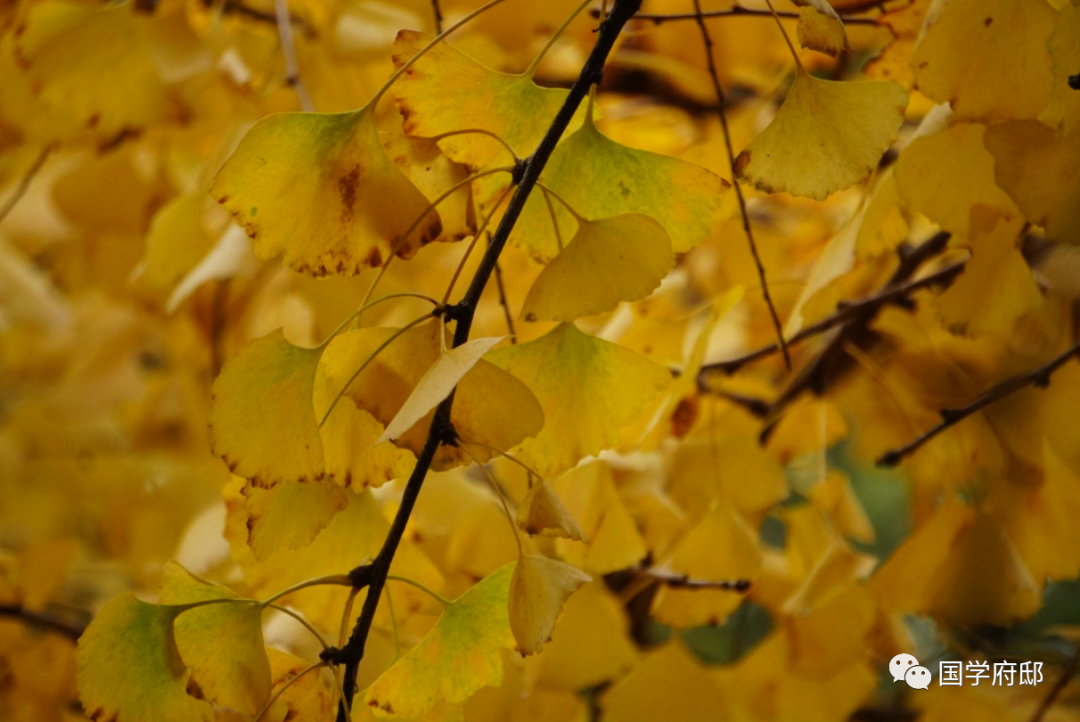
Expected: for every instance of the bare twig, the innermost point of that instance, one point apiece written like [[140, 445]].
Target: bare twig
[[442, 430], [736, 12], [24, 183], [1039, 378], [722, 112], [44, 621], [1067, 673], [235, 7], [288, 49], [682, 581], [438, 15]]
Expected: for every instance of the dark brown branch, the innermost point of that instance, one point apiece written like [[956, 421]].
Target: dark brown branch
[[442, 430], [682, 581], [737, 12], [235, 7], [1039, 378], [438, 16], [288, 51], [1067, 673], [722, 112], [44, 621]]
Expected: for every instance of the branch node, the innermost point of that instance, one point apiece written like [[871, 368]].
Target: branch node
[[518, 173], [331, 655], [1074, 81], [361, 576]]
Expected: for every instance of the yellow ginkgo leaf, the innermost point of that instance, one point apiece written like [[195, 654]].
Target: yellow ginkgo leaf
[[827, 136], [1040, 170], [512, 107], [601, 178], [461, 654], [987, 58], [129, 669], [222, 644], [262, 421], [423, 163], [290, 514], [437, 383], [305, 699], [995, 263], [948, 176], [589, 389], [82, 69], [1064, 108], [542, 512], [181, 233], [321, 189], [608, 261], [538, 591], [820, 27], [491, 408], [690, 694]]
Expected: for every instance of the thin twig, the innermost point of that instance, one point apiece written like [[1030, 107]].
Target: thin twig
[[721, 105], [683, 581], [1039, 378], [235, 7], [502, 299], [44, 621], [1067, 673], [438, 16], [735, 12], [441, 430], [24, 182], [288, 49]]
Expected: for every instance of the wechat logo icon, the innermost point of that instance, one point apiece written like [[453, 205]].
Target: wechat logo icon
[[905, 667]]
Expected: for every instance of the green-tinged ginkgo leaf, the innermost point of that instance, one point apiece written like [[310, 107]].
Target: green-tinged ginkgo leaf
[[1040, 170], [589, 389], [437, 383], [512, 107], [827, 136], [129, 669], [491, 408], [222, 644], [948, 176], [81, 70], [262, 422], [289, 514], [542, 512], [538, 591], [987, 58], [307, 698], [459, 656], [321, 190], [608, 261], [820, 27], [601, 178], [352, 537]]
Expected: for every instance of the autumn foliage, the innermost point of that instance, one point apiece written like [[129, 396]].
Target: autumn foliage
[[583, 361]]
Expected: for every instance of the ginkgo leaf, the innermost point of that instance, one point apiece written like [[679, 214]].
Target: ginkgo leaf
[[321, 190], [820, 27], [513, 107], [904, 22], [423, 163], [437, 383], [84, 69], [601, 178], [129, 669], [262, 422], [1039, 170], [538, 591], [1064, 109], [827, 136], [691, 695], [461, 654], [949, 177], [222, 644], [179, 236], [589, 389], [305, 699], [608, 261], [491, 408], [987, 58], [290, 514], [542, 512]]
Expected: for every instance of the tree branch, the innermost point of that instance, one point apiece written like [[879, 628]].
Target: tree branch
[[44, 621], [438, 16], [1072, 666], [442, 430], [683, 581], [1039, 378], [722, 111], [288, 50], [739, 11]]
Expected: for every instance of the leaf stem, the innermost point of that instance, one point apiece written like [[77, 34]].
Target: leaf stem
[[422, 587], [554, 37], [270, 702], [338, 579], [472, 244], [478, 131], [508, 457], [352, 316], [721, 104], [776, 17], [570, 209], [739, 11], [502, 498]]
